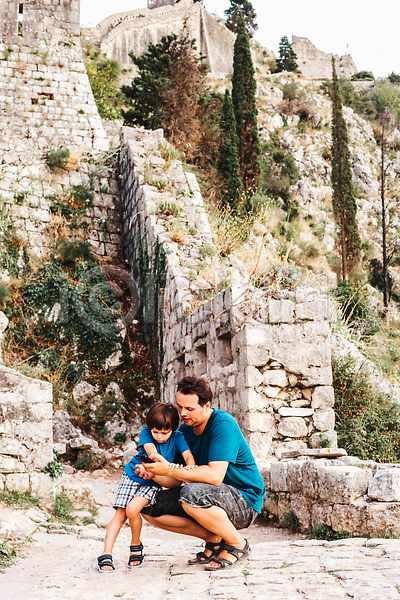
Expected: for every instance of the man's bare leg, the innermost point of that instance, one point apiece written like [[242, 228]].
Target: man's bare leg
[[215, 519]]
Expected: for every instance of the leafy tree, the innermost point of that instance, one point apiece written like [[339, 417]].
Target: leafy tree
[[287, 57], [146, 93], [248, 12], [228, 164], [343, 201], [103, 75], [244, 102], [180, 107]]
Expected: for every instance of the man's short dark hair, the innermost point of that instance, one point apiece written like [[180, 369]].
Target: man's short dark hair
[[194, 385], [162, 416]]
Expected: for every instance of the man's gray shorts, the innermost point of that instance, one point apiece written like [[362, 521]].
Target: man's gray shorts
[[204, 495]]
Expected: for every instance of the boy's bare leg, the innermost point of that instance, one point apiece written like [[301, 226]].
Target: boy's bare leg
[[113, 529], [135, 522]]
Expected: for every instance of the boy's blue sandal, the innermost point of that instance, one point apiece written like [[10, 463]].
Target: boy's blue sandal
[[105, 560], [202, 558], [138, 558], [224, 563]]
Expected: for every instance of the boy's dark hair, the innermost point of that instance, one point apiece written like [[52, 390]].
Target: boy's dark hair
[[194, 385], [162, 416]]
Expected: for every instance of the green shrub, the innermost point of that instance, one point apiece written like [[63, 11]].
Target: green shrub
[[5, 294], [170, 207], [69, 251], [19, 499], [88, 521], [394, 78], [120, 437], [367, 421], [87, 462], [168, 151], [352, 297], [54, 468], [159, 182], [363, 76], [290, 521], [21, 196], [324, 441], [207, 250], [82, 193], [57, 159], [325, 532], [63, 508], [7, 554]]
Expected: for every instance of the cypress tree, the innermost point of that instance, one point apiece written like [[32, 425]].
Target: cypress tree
[[248, 12], [343, 201], [228, 164], [244, 102]]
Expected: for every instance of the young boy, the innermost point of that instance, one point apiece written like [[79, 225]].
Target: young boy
[[159, 439]]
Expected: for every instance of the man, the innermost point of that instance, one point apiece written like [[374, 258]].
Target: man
[[223, 493]]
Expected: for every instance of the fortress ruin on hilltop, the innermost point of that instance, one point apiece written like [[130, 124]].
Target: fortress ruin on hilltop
[[315, 64], [132, 31]]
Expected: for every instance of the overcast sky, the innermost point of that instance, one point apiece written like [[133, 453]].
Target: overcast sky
[[369, 32]]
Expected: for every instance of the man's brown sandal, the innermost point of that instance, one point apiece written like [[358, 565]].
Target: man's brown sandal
[[224, 563], [202, 558]]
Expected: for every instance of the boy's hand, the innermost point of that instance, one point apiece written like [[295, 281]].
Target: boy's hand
[[141, 471]]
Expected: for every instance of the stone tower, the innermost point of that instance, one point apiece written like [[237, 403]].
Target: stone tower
[[44, 89], [158, 3]]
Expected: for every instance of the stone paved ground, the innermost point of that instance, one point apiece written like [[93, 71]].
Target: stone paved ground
[[280, 567]]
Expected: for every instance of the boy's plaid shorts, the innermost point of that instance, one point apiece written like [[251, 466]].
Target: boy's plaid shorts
[[128, 489]]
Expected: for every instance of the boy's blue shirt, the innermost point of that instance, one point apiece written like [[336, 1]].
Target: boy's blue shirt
[[176, 444], [222, 440]]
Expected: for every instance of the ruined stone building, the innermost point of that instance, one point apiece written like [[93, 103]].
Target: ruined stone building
[[132, 31], [315, 64]]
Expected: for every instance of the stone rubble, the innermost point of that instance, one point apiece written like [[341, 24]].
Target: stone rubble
[[347, 494]]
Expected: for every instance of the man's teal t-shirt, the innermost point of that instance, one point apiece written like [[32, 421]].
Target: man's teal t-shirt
[[222, 440]]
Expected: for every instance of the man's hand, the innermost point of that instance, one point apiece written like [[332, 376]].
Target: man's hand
[[142, 472]]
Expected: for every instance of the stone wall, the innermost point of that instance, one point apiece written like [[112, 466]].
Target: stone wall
[[26, 435], [132, 31], [46, 103], [45, 92], [315, 64], [267, 356], [347, 494]]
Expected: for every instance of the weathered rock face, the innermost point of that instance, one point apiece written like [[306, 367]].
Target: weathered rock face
[[266, 357], [315, 64], [26, 437], [132, 31]]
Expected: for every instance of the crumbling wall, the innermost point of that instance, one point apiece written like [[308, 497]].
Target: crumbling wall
[[267, 356], [347, 494], [26, 435], [315, 64]]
